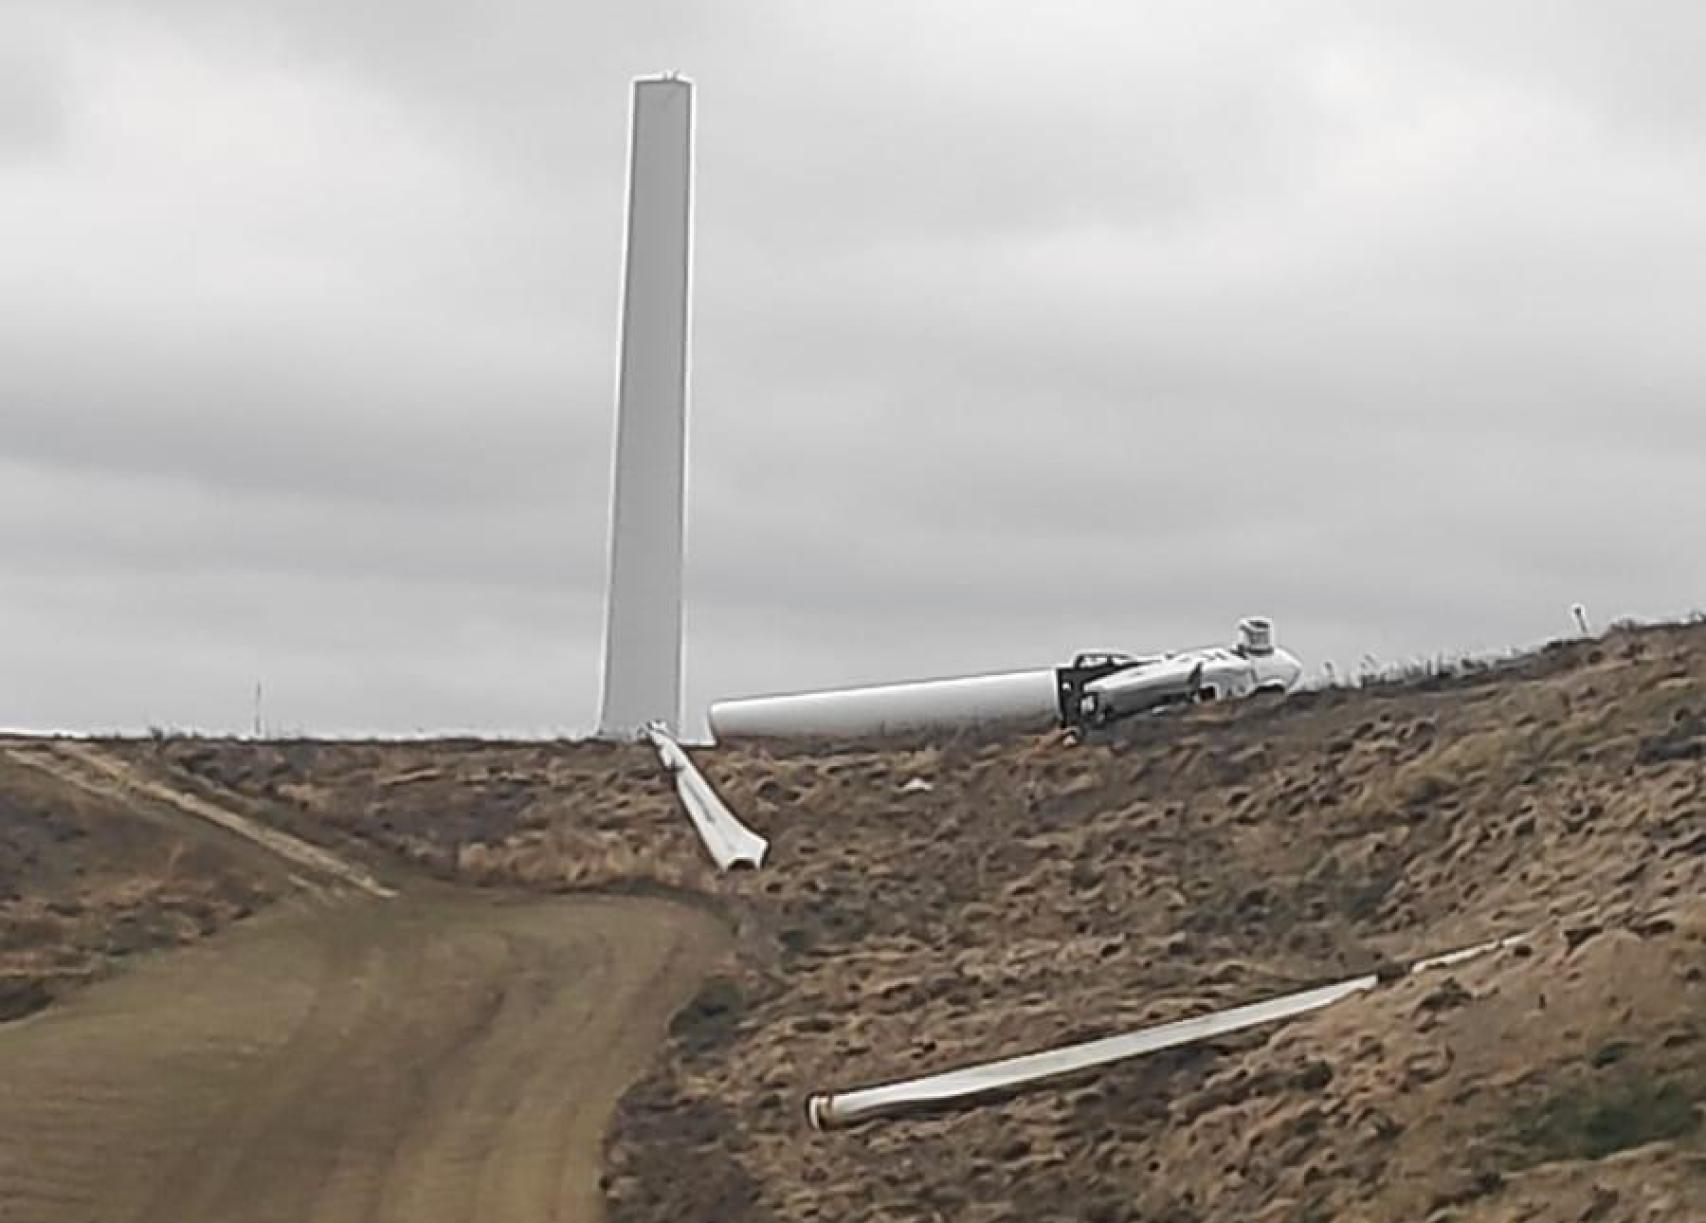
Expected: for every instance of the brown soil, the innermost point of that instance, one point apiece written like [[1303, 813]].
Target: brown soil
[[1038, 892], [342, 1056], [439, 1057]]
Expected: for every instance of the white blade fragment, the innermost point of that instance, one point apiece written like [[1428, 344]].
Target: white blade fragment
[[971, 1084], [726, 839], [1450, 958]]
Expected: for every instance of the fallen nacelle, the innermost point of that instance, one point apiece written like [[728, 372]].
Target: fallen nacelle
[[974, 1084], [1093, 690], [728, 841]]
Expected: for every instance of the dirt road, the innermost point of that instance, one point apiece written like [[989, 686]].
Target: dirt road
[[430, 1058]]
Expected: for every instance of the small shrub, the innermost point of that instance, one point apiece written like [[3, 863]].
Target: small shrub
[[710, 1019], [1596, 1119]]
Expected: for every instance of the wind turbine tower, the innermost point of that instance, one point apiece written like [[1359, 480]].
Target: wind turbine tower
[[642, 624]]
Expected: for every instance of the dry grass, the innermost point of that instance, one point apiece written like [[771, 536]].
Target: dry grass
[[85, 884], [1038, 892]]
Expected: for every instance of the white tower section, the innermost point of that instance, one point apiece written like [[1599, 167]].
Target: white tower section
[[642, 625]]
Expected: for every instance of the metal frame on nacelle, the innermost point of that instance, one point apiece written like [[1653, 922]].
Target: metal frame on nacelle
[[1110, 691]]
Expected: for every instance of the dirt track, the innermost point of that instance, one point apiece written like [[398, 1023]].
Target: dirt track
[[434, 1057]]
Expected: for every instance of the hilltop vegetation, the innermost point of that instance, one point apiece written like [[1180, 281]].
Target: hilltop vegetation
[[928, 905]]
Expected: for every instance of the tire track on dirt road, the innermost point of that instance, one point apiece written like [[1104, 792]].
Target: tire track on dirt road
[[444, 1056]]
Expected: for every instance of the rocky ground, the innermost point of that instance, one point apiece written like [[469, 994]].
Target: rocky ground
[[930, 905]]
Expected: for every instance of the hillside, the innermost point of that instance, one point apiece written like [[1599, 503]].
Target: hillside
[[1037, 894], [213, 1020], [1030, 892], [90, 878]]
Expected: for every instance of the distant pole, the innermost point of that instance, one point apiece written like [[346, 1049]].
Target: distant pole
[[257, 709], [642, 625]]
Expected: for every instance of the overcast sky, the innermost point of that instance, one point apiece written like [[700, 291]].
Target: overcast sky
[[1018, 329]]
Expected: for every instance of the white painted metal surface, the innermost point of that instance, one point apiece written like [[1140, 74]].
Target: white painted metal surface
[[1452, 958], [1095, 688], [1010, 699], [642, 627], [729, 842], [1140, 687], [1212, 673], [972, 1084]]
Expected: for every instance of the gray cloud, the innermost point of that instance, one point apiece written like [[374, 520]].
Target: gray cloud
[[1017, 330], [34, 83]]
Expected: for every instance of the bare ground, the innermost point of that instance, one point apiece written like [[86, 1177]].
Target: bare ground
[[434, 1058], [344, 1055]]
